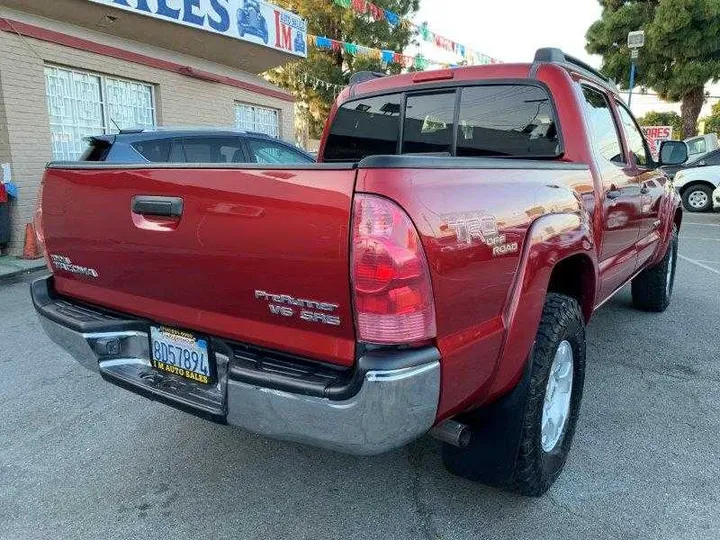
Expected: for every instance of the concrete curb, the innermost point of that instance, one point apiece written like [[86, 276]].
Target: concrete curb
[[11, 267]]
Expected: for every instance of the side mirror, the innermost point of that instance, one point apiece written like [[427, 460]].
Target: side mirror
[[673, 153]]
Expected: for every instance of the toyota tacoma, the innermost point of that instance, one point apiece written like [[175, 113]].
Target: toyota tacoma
[[434, 273]]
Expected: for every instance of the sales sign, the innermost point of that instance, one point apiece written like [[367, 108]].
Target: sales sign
[[249, 20], [655, 135]]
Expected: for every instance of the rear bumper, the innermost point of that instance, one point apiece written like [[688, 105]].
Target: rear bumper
[[389, 399]]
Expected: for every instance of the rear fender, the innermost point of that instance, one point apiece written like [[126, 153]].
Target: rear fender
[[550, 240]]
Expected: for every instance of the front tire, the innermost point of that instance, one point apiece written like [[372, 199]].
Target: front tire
[[522, 442], [698, 198], [652, 288]]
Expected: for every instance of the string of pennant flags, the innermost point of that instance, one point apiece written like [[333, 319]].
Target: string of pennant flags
[[420, 62], [385, 56], [364, 7], [316, 83]]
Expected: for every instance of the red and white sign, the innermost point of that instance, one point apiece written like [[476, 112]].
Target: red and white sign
[[655, 135]]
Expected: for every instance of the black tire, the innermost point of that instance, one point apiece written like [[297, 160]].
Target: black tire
[[506, 447], [694, 191], [652, 288]]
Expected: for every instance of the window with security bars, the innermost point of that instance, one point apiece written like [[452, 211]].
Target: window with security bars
[[81, 104], [255, 118]]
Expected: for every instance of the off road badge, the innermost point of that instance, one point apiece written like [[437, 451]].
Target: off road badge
[[476, 227]]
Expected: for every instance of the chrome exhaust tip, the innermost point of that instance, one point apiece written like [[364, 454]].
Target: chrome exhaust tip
[[452, 432]]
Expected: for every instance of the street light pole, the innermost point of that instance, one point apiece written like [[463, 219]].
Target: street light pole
[[635, 41], [633, 55]]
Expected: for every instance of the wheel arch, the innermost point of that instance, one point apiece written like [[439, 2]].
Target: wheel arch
[[677, 218], [576, 277], [691, 183], [557, 246]]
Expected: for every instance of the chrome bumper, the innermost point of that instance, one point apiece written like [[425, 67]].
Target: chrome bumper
[[386, 409]]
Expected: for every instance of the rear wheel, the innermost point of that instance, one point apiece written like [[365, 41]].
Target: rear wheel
[[653, 287], [698, 198], [521, 443]]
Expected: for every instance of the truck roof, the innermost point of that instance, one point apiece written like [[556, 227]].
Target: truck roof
[[367, 82]]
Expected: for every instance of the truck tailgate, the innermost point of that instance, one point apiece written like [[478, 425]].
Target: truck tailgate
[[259, 256]]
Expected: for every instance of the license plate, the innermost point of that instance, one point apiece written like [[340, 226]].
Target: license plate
[[181, 353]]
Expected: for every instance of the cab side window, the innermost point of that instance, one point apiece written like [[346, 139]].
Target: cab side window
[[712, 158], [604, 133], [635, 138]]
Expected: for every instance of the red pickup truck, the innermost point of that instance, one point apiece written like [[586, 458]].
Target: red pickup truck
[[433, 273]]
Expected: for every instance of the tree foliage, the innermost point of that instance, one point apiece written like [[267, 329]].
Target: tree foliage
[[681, 53], [325, 18], [712, 122], [670, 118]]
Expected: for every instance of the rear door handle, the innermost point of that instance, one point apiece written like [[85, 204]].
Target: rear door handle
[[153, 205]]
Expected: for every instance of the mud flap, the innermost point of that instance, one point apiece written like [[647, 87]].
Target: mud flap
[[496, 430]]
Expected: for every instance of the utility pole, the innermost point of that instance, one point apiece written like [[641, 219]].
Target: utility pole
[[636, 40]]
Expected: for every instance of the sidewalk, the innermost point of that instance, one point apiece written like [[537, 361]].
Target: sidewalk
[[13, 266]]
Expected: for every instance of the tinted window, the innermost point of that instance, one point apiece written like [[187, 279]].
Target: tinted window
[[429, 123], [262, 151], [97, 150], [365, 127], [602, 126], [208, 150], [155, 151], [634, 136], [711, 159], [507, 121]]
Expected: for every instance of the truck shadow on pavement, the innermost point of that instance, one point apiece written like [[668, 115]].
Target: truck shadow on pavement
[[94, 461]]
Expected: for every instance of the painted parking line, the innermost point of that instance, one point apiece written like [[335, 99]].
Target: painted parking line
[[699, 238], [701, 265], [696, 224]]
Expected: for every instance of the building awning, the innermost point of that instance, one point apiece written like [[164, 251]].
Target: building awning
[[250, 35]]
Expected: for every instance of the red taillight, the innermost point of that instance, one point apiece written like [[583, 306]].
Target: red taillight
[[391, 280]]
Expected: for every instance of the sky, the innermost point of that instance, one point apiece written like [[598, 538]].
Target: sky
[[512, 30]]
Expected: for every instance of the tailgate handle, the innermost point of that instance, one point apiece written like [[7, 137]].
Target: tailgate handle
[[152, 205]]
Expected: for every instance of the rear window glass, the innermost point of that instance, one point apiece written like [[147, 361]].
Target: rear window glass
[[506, 120], [697, 146], [155, 151], [514, 120], [429, 123], [97, 150], [365, 127]]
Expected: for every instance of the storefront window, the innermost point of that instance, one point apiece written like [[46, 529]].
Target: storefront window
[[260, 119], [82, 104]]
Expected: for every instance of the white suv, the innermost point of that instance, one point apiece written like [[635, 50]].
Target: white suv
[[697, 185]]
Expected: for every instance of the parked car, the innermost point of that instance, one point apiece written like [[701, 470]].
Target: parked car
[[696, 187], [701, 145], [711, 158], [197, 145], [435, 273]]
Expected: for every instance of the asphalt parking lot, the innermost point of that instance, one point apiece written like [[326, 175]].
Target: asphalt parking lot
[[80, 458]]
